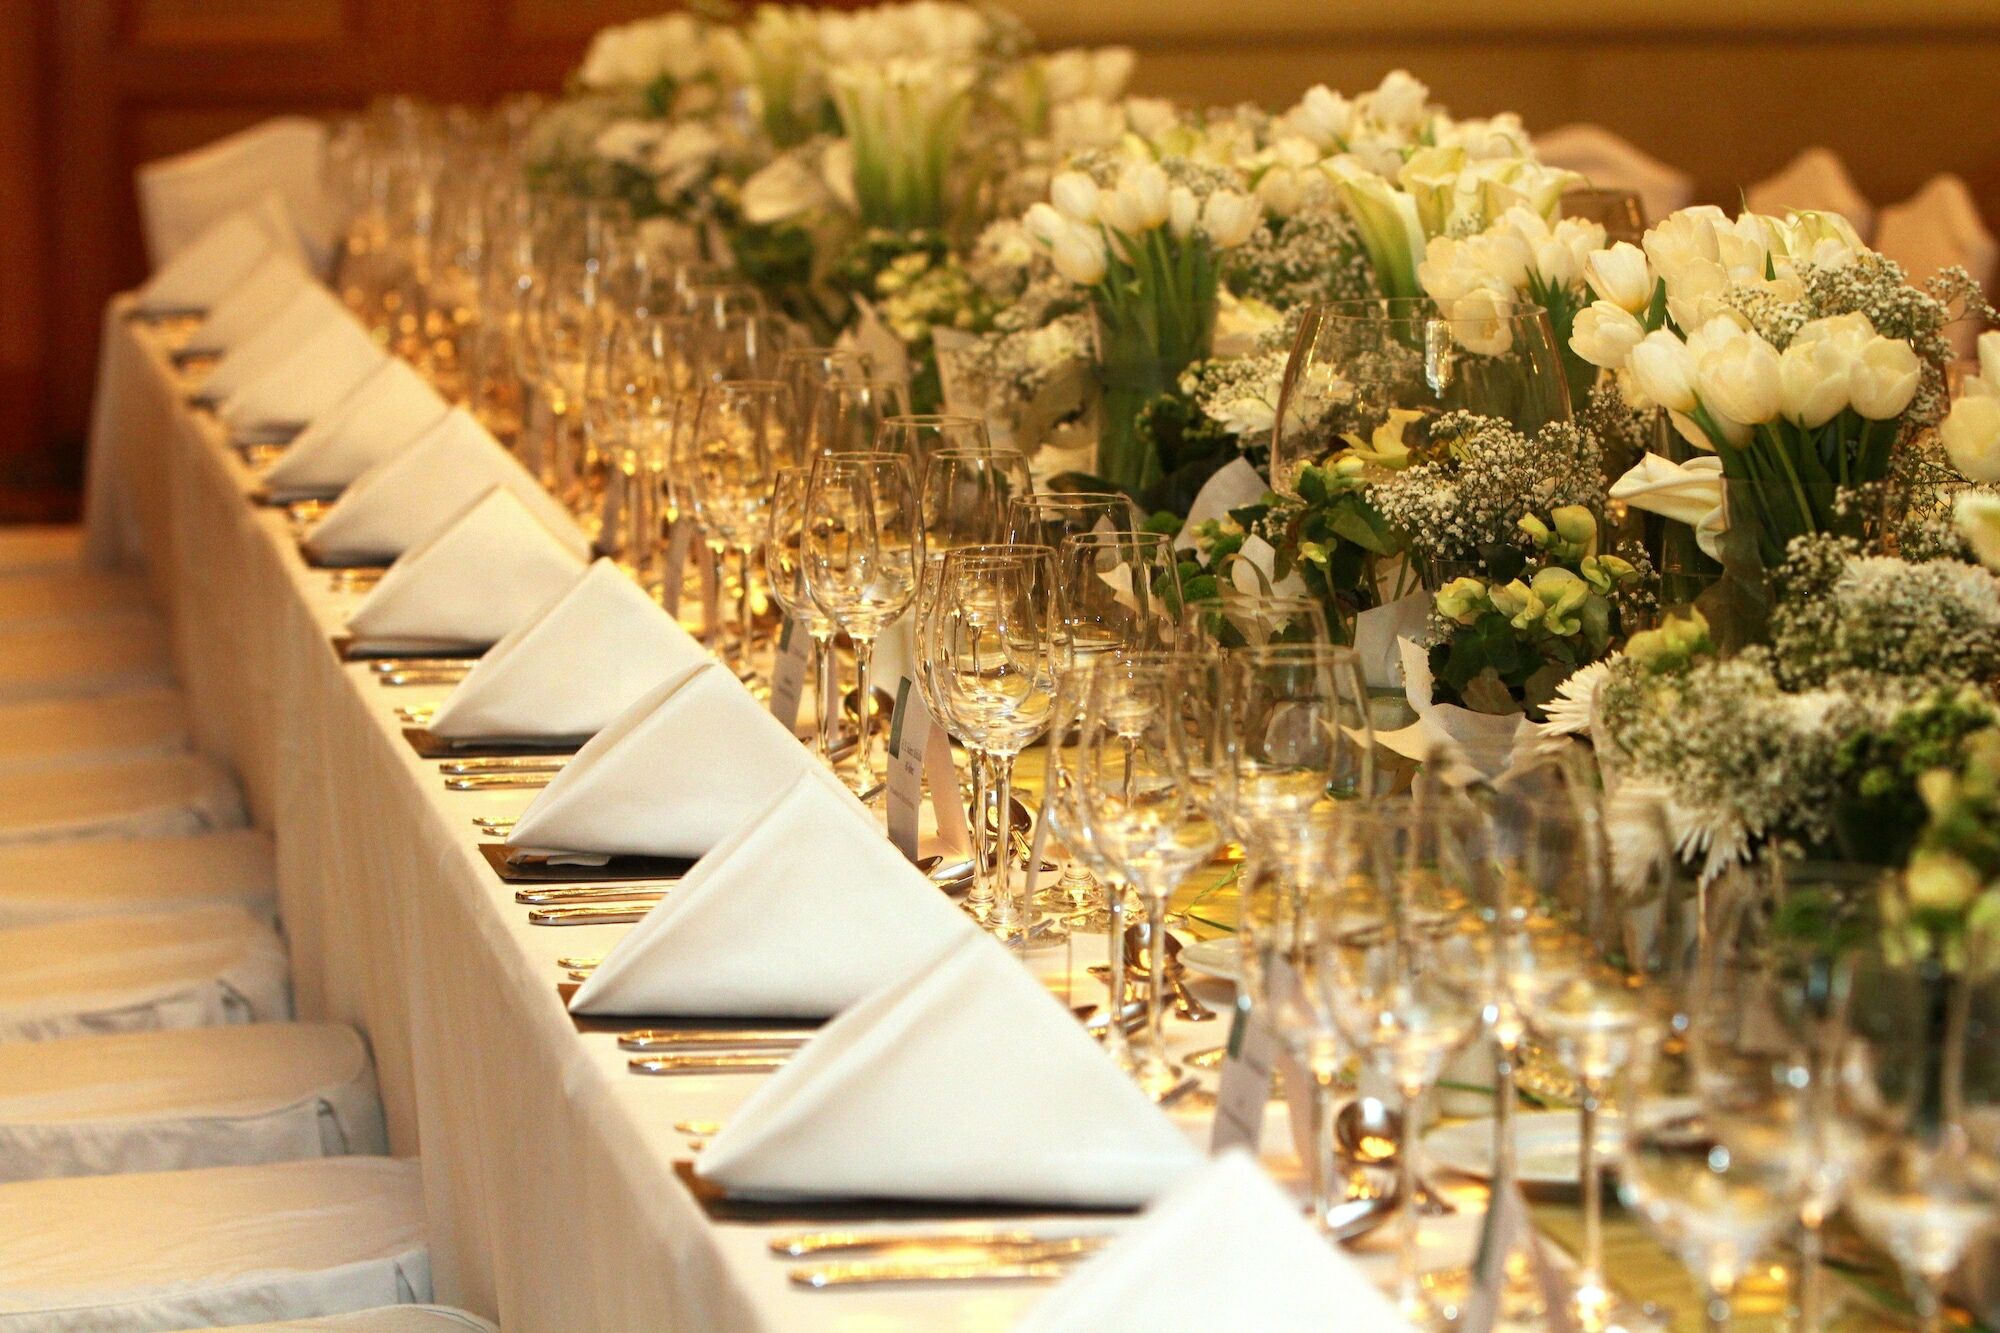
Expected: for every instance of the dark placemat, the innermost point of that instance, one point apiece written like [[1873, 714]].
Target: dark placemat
[[619, 1024], [618, 870], [315, 560], [429, 745], [816, 1213], [344, 648]]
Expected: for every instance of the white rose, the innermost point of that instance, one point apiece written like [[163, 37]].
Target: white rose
[[1663, 369], [1251, 418], [1977, 516], [1605, 334], [1884, 379], [1621, 276], [1739, 379], [1812, 381], [1971, 435], [1075, 196]]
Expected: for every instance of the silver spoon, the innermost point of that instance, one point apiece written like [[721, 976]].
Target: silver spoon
[[1369, 1132]]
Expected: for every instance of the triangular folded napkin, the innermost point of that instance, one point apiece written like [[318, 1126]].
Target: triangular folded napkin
[[968, 1081], [403, 500], [252, 302], [306, 310], [305, 383], [1261, 1267], [674, 775], [803, 911], [477, 580], [572, 668], [220, 258], [386, 411]]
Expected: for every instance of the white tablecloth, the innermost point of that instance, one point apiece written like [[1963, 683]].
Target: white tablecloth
[[548, 1168]]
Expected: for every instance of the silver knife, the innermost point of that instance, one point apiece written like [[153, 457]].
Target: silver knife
[[420, 678], [557, 894], [383, 666], [700, 1063], [1005, 1269], [590, 914], [497, 781], [851, 1242], [667, 1039], [515, 763]]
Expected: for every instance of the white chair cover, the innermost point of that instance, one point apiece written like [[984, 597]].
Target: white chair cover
[[1937, 227], [181, 196], [64, 733], [32, 600], [34, 548], [81, 660], [1612, 163], [1817, 180], [173, 1101], [198, 967], [41, 882], [220, 1247], [395, 1319], [170, 796]]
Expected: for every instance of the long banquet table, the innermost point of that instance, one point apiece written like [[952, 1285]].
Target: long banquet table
[[549, 1169]]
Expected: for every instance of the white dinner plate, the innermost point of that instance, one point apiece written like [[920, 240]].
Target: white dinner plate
[[1546, 1146], [1217, 957]]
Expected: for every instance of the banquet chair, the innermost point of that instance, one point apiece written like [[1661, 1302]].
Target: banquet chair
[[181, 196], [44, 882], [1815, 180], [1612, 163], [197, 967], [46, 734], [40, 548], [85, 658], [165, 796], [61, 596], [193, 1097], [393, 1319], [1934, 228], [215, 1247]]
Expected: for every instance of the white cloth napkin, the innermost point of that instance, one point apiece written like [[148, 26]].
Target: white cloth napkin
[[966, 1081], [306, 309], [1261, 1266], [572, 668], [673, 775], [402, 500], [252, 302], [1610, 162], [801, 912], [484, 574], [180, 196], [220, 258], [305, 383], [1815, 180], [387, 410]]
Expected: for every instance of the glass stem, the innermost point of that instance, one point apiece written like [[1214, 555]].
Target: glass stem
[[1156, 988], [1715, 1308], [864, 664], [1116, 1044], [981, 897], [746, 610], [1324, 1163], [1409, 1274], [829, 695], [1010, 915], [1590, 1270], [1505, 1062]]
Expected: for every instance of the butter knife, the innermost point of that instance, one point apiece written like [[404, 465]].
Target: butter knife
[[589, 914], [590, 893], [695, 1062], [852, 1242], [827, 1276]]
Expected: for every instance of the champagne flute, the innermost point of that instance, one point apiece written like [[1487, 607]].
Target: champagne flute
[[730, 463], [784, 565], [864, 551]]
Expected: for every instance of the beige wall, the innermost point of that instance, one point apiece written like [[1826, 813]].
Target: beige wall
[[1728, 92]]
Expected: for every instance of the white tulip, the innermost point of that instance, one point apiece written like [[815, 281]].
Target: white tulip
[[1139, 202], [1621, 276], [1322, 115], [1481, 321], [1075, 196], [1183, 211], [1884, 379], [1079, 255], [1812, 381], [1400, 100], [1663, 369], [1971, 435], [1989, 360], [1281, 191], [1229, 219], [1088, 122], [1605, 334], [1044, 224], [1151, 117], [1739, 380], [1977, 516]]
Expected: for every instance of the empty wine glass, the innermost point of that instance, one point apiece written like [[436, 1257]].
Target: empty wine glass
[[921, 435], [1235, 619], [730, 463], [784, 566], [804, 369], [966, 493], [845, 415], [864, 552], [1046, 517], [1108, 593]]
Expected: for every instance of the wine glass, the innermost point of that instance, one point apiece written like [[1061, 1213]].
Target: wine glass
[[734, 335], [845, 415], [1299, 734], [784, 566], [1109, 593], [1396, 363], [565, 319], [987, 643], [730, 460], [966, 493], [1046, 517], [804, 369], [1235, 619], [1150, 731], [1621, 213], [864, 551], [921, 435]]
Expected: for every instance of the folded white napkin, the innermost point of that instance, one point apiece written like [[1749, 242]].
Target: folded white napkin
[[801, 912], [673, 775], [180, 196], [485, 573], [572, 668], [252, 302], [1261, 1266], [220, 258], [966, 1081], [404, 499], [387, 410], [305, 383], [1815, 180], [307, 309]]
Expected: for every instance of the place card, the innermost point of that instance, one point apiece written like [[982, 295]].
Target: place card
[[920, 750], [1244, 1087], [788, 671]]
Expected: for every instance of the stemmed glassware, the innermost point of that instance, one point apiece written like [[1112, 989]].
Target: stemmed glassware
[[1047, 517], [864, 552], [730, 460], [1151, 745], [1112, 593], [784, 566], [1233, 619], [846, 414], [921, 435], [804, 369]]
